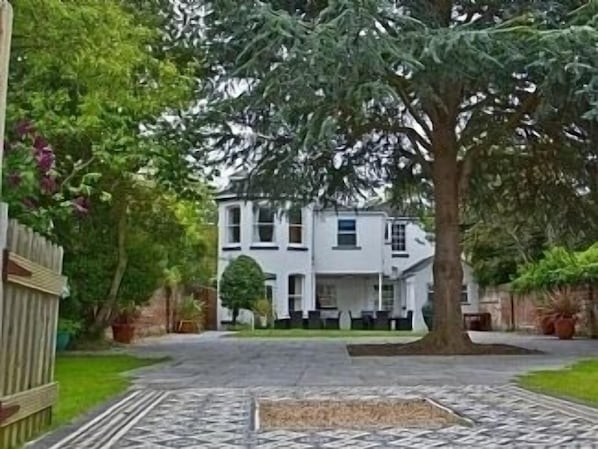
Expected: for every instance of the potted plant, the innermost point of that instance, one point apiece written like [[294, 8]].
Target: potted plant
[[66, 329], [546, 322], [263, 310], [428, 313], [563, 307], [189, 314], [123, 325]]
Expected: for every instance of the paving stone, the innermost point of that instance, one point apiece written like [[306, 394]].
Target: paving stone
[[204, 418]]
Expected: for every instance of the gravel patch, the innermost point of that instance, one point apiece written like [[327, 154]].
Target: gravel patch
[[366, 414]]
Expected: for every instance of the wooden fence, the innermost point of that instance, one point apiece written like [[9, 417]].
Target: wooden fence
[[30, 288]]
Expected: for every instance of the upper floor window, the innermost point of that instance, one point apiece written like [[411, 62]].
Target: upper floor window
[[398, 237], [347, 232], [233, 224], [264, 224], [295, 226]]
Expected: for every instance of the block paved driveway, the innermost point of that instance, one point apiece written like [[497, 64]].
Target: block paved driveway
[[206, 396]]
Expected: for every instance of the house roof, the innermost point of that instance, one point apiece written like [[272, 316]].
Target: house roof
[[375, 205], [417, 266]]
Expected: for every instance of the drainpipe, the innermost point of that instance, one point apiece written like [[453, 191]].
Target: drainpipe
[[380, 290]]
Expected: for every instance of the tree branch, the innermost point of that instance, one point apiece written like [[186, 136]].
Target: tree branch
[[398, 82], [467, 163]]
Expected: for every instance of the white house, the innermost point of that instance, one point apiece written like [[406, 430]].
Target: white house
[[337, 260]]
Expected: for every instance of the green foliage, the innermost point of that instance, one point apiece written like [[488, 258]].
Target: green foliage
[[559, 267], [377, 78], [159, 249], [189, 309], [241, 285], [69, 326], [495, 249], [263, 307]]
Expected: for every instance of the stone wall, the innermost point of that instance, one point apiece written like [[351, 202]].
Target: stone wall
[[511, 311]]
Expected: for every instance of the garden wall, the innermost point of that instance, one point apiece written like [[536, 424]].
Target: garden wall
[[154, 319], [511, 311]]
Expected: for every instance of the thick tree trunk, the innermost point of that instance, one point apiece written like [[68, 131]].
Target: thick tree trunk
[[447, 331]]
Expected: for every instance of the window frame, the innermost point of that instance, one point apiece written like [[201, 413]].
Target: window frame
[[330, 293], [293, 298], [344, 232], [385, 288], [293, 226], [400, 237], [230, 227], [257, 224]]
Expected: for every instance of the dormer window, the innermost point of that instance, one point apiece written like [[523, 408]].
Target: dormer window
[[233, 225], [295, 226], [263, 224]]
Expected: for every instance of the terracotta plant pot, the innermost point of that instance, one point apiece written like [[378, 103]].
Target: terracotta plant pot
[[123, 333], [564, 328], [187, 327], [547, 325]]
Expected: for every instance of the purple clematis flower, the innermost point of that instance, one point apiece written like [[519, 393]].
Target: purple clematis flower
[[45, 159], [48, 185], [81, 205], [39, 143], [24, 128]]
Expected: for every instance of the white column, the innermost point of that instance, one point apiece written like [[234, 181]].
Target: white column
[[380, 275]]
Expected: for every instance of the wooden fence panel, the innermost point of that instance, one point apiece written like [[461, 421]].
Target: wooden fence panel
[[29, 294]]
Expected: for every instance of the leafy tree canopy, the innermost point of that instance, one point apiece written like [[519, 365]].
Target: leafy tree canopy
[[330, 99], [241, 285]]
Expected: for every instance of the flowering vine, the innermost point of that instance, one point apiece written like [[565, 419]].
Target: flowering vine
[[33, 185]]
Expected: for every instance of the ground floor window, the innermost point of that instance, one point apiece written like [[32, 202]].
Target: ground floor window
[[388, 296], [326, 296], [295, 292]]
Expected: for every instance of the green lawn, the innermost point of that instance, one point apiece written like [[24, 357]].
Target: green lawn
[[579, 381], [88, 380], [313, 333]]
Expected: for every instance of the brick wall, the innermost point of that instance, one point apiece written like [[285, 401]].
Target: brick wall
[[154, 319], [518, 312]]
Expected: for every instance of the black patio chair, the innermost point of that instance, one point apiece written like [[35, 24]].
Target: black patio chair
[[405, 324], [296, 319], [368, 319], [314, 320], [356, 322], [282, 323], [333, 323], [381, 321]]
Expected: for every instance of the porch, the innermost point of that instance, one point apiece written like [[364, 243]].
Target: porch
[[352, 295]]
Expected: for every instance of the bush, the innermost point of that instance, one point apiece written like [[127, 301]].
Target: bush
[[241, 285], [558, 268]]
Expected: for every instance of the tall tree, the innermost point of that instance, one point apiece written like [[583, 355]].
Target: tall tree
[[328, 99]]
